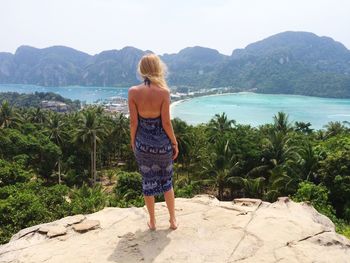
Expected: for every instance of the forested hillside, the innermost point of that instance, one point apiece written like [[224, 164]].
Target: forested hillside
[[289, 62], [48, 170], [23, 100]]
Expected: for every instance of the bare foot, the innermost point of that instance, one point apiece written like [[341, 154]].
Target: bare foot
[[173, 224], [151, 226]]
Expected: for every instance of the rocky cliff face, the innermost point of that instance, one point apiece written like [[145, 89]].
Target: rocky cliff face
[[245, 230], [289, 63]]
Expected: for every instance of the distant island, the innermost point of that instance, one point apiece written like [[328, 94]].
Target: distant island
[[288, 63]]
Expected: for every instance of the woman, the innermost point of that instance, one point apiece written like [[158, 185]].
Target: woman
[[152, 137]]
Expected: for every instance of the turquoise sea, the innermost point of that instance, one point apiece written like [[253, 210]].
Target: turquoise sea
[[82, 93], [244, 107], [256, 109]]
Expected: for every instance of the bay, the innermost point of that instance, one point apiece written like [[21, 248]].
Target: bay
[[85, 94], [244, 107], [256, 109]]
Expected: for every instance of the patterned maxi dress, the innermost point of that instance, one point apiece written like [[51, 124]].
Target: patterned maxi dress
[[153, 153]]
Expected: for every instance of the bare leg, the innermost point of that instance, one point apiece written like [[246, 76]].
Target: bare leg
[[170, 202], [149, 200]]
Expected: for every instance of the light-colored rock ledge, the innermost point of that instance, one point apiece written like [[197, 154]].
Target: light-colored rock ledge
[[244, 230]]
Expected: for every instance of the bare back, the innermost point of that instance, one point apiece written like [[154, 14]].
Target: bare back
[[148, 100]]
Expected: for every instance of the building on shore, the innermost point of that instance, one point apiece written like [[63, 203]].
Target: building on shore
[[54, 105], [116, 105]]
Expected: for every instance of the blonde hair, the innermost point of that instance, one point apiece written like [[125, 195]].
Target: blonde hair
[[152, 68]]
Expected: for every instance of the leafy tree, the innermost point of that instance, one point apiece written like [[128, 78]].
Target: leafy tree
[[334, 172], [12, 173], [317, 195], [26, 204]]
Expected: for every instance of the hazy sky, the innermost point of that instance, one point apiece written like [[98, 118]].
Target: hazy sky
[[165, 26]]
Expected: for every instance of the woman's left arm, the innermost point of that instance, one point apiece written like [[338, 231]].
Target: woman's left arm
[[133, 116]]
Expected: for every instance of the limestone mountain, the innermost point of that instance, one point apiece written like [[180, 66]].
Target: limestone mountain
[[289, 63], [112, 68], [193, 66], [53, 66]]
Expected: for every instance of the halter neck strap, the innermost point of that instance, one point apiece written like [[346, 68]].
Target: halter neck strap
[[147, 81]]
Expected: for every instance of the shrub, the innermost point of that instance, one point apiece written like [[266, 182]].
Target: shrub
[[129, 185], [88, 199], [26, 204], [12, 172], [318, 197], [128, 190]]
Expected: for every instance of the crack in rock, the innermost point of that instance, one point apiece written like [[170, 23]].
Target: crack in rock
[[245, 232], [292, 242]]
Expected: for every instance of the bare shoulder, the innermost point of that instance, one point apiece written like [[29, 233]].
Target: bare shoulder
[[165, 93], [132, 90]]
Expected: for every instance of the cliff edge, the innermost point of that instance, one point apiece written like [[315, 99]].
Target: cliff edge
[[244, 230]]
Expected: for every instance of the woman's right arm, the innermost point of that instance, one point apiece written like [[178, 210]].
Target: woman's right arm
[[133, 116], [166, 122]]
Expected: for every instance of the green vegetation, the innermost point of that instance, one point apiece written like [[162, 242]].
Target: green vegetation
[[57, 164]]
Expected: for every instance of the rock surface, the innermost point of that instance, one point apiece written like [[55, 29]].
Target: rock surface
[[86, 225], [244, 230], [56, 231]]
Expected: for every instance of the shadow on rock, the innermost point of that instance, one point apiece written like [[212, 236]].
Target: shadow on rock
[[142, 246]]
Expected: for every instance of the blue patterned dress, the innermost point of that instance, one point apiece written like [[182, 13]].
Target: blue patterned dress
[[153, 153]]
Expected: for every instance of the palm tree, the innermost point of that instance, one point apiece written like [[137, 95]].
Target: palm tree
[[252, 182], [334, 128], [117, 134], [303, 127], [281, 122], [8, 117], [309, 161], [321, 135], [219, 125], [37, 115], [89, 133], [346, 123], [184, 138], [278, 149], [219, 165], [281, 158], [121, 130], [281, 182], [54, 128], [253, 187]]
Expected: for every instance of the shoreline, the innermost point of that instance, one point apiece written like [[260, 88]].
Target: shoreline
[[173, 104]]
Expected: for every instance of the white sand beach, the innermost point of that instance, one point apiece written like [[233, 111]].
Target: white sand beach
[[173, 104]]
